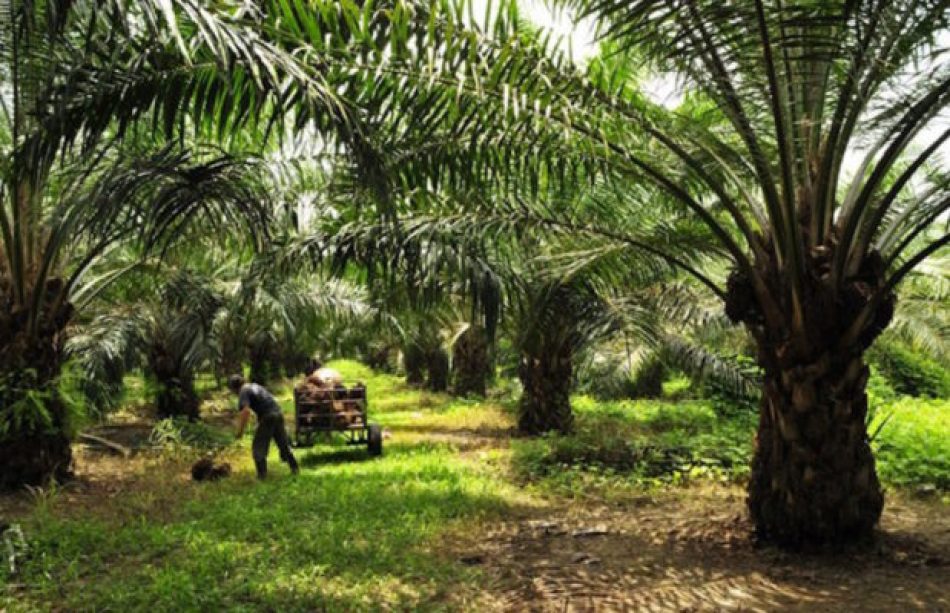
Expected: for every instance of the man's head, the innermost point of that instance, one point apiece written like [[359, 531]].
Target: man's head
[[235, 383]]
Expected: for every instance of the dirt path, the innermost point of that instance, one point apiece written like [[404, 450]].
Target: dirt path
[[676, 554], [691, 549]]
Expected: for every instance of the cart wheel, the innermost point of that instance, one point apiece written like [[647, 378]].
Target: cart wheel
[[374, 440]]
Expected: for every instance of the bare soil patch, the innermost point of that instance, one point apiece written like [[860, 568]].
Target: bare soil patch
[[693, 550]]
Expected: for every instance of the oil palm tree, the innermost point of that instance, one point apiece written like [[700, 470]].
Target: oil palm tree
[[270, 318], [781, 96], [471, 361], [551, 323], [79, 81], [817, 255], [166, 331]]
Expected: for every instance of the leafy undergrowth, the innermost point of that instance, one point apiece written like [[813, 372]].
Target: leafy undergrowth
[[360, 533], [624, 444], [628, 445], [913, 448]]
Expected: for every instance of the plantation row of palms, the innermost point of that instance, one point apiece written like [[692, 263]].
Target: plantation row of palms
[[431, 154]]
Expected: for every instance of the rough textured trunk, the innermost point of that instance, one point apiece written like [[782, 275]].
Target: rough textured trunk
[[813, 476], [176, 395], [413, 362], [379, 357], [177, 398], [545, 403], [470, 363], [295, 363], [228, 366], [33, 449], [264, 363], [437, 369], [232, 356], [647, 382]]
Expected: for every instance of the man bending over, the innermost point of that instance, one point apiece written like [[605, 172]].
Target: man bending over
[[270, 423]]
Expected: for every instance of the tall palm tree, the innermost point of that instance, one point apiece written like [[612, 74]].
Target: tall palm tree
[[82, 79], [817, 256], [782, 95]]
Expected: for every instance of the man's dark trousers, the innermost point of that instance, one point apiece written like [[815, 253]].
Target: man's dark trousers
[[271, 427]]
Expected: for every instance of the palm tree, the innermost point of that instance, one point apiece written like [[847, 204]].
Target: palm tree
[[471, 361], [780, 94], [82, 80], [922, 318], [271, 317], [168, 332], [551, 323], [816, 256]]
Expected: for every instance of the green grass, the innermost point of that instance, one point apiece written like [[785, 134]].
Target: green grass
[[624, 445], [360, 533], [621, 445], [351, 533]]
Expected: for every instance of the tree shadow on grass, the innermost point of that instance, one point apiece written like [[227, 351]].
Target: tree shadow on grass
[[493, 432], [319, 456]]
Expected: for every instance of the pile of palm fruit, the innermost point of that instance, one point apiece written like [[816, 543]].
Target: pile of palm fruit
[[329, 395]]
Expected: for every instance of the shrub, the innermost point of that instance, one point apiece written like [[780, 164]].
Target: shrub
[[639, 443], [910, 372], [913, 447], [178, 432], [604, 376]]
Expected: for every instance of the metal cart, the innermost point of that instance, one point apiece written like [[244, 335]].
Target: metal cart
[[336, 410]]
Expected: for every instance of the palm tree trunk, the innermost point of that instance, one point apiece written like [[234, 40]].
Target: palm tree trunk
[[264, 365], [229, 364], [176, 395], [177, 398], [470, 363], [545, 403], [34, 421], [379, 357], [813, 474], [437, 367], [413, 361], [647, 382]]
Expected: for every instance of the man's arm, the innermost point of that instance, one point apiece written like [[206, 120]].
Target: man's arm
[[243, 416]]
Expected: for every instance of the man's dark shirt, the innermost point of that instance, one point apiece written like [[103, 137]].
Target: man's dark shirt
[[259, 399]]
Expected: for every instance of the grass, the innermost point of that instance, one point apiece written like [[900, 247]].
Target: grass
[[345, 535], [360, 533], [351, 533], [623, 446]]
